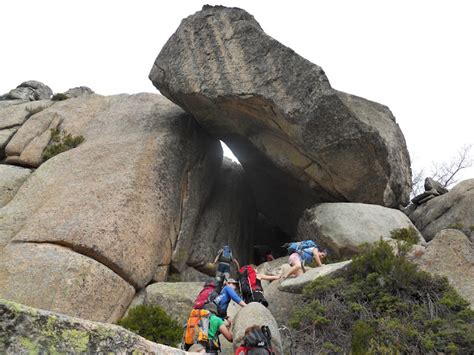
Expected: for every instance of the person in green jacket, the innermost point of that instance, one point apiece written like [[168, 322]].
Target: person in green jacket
[[217, 326]]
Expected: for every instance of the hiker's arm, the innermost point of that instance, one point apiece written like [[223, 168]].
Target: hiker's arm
[[268, 277], [237, 264], [217, 257], [235, 297], [316, 256], [226, 332]]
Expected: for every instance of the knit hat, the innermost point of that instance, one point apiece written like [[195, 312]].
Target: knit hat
[[211, 307]]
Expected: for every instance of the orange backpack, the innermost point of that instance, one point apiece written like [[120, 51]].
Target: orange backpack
[[197, 328]]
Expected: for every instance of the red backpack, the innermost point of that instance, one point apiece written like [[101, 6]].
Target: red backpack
[[249, 273], [257, 342], [204, 295], [248, 282]]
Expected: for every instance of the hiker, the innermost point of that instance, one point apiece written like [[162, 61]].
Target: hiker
[[203, 328], [228, 293], [257, 340], [206, 295], [269, 256], [223, 260], [302, 253], [217, 326], [251, 284]]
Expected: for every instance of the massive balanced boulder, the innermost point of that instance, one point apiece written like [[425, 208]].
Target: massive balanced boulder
[[300, 141], [94, 223]]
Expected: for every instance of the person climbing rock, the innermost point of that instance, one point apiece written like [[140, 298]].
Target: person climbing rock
[[257, 340], [302, 253], [223, 260], [217, 326], [227, 294], [251, 284]]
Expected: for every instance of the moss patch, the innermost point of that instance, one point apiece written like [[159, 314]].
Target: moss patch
[[78, 339], [29, 345]]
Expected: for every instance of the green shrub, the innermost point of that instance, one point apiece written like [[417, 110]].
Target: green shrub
[[60, 142], [408, 235], [152, 323], [384, 304]]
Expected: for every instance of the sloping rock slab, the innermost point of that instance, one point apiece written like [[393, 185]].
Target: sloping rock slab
[[297, 284], [451, 254], [455, 208], [14, 115], [255, 314], [26, 330], [11, 178], [52, 277], [300, 141], [343, 227]]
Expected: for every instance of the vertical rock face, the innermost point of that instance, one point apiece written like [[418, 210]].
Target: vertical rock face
[[228, 219], [299, 140], [123, 199]]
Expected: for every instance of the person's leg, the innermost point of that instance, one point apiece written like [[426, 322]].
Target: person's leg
[[296, 269]]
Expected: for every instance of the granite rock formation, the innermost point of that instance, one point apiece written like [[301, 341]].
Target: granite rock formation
[[451, 254], [300, 141], [26, 330], [31, 90], [450, 210], [344, 227], [228, 219], [98, 221]]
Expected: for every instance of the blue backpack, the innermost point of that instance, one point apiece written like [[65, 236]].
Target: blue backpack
[[226, 256], [303, 248]]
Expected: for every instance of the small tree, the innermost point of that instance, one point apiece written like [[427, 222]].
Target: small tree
[[446, 172]]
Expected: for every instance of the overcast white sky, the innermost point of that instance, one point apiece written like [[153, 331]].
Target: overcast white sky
[[417, 57]]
